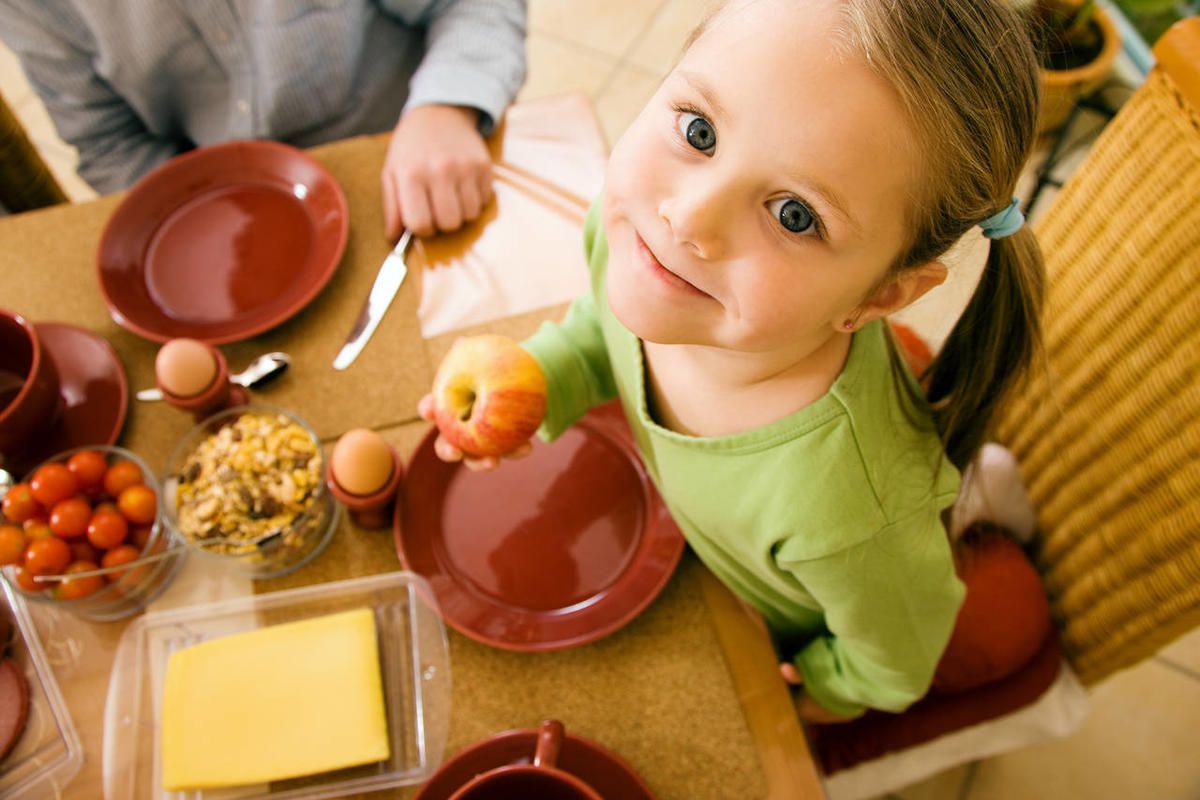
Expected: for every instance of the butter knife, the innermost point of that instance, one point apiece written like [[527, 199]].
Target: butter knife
[[391, 274]]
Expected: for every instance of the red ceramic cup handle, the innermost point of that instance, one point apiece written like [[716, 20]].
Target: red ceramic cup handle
[[550, 737]]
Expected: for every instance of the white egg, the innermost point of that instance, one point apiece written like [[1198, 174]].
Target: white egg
[[361, 462], [185, 367]]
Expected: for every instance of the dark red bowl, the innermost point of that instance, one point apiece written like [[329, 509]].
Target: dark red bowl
[[222, 243]]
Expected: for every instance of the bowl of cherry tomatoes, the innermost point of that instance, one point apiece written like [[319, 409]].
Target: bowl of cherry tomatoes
[[84, 531]]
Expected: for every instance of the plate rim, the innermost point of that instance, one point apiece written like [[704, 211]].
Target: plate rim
[[655, 514], [184, 161]]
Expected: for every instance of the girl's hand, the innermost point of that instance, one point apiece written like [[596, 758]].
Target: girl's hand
[[807, 709], [448, 452]]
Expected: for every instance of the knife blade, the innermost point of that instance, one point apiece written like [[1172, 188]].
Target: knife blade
[[391, 274]]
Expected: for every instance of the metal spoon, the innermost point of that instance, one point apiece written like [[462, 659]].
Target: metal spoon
[[263, 369]]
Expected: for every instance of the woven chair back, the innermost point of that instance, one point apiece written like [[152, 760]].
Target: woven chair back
[[1108, 432]]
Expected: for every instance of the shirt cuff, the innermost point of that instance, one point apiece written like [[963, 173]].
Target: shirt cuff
[[816, 663], [458, 85], [551, 349]]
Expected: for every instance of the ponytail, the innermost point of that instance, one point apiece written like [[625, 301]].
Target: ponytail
[[990, 347]]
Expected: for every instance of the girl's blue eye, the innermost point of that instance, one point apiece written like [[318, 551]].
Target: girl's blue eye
[[793, 215], [698, 131]]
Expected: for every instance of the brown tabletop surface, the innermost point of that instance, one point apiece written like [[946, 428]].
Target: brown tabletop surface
[[688, 693]]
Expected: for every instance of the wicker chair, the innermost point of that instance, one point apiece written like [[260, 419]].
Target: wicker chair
[[1108, 436], [25, 181], [1107, 433]]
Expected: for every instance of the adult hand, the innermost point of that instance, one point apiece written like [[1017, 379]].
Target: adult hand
[[437, 174]]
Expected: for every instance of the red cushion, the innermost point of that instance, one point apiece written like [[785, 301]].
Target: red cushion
[[916, 353], [877, 733], [1004, 618]]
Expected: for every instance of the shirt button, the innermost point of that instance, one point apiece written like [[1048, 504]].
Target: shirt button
[[243, 107]]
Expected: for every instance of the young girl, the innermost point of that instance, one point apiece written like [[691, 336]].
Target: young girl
[[793, 181]]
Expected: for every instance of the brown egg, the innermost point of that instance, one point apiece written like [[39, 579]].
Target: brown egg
[[185, 367], [361, 462]]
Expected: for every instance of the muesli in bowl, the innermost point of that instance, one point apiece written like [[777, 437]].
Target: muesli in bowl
[[248, 485]]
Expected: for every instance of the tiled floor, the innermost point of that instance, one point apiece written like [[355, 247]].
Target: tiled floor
[[1139, 741]]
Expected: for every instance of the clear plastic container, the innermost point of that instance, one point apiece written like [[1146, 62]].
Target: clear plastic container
[[140, 582], [48, 754], [279, 550], [414, 661]]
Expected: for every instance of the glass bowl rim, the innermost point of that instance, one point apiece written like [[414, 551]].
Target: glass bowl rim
[[157, 533], [192, 437]]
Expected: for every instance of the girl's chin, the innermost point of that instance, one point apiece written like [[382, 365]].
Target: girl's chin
[[648, 324]]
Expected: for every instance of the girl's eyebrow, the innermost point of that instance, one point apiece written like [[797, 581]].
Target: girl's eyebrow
[[831, 198], [704, 90]]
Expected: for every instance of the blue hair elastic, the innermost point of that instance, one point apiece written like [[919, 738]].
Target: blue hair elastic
[[1004, 223]]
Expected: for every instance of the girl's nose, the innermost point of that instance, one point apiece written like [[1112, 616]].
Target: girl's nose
[[696, 221]]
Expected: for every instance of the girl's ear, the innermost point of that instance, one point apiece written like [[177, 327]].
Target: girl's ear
[[905, 289]]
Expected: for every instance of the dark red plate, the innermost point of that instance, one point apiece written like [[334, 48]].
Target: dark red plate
[[600, 768], [222, 243], [93, 388], [550, 551]]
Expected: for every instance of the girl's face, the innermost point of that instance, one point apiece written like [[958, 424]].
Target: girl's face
[[759, 197]]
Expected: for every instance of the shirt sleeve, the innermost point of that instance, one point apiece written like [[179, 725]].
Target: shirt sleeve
[[890, 604], [54, 47], [474, 54], [572, 353]]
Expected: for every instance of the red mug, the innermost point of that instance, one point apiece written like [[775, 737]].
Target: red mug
[[541, 779], [29, 387]]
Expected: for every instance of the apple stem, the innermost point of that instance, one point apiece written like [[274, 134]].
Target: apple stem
[[465, 414]]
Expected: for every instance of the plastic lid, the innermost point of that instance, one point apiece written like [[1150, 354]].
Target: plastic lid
[[414, 660]]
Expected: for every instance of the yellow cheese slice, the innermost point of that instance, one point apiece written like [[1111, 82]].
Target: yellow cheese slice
[[279, 702]]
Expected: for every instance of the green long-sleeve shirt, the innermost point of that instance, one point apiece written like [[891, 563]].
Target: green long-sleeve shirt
[[827, 521]]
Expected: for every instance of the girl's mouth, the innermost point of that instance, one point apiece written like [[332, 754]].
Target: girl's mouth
[[656, 267]]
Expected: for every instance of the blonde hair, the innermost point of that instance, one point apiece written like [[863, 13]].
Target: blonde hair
[[967, 74]]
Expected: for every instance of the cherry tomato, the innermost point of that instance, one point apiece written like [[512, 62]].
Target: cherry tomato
[[107, 529], [28, 584], [106, 505], [82, 550], [121, 475], [19, 503], [39, 529], [138, 504], [69, 518], [47, 556], [118, 556], [89, 467], [75, 588], [52, 483], [12, 544], [139, 535]]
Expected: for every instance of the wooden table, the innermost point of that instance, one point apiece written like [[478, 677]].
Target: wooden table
[[688, 692]]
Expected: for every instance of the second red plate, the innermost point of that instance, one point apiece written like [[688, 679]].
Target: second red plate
[[550, 551], [222, 243]]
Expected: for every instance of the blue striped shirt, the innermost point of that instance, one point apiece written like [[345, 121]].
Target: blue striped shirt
[[131, 83]]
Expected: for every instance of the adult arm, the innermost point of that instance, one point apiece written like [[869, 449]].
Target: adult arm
[[56, 52], [437, 173]]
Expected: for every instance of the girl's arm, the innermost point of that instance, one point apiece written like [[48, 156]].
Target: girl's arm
[[890, 604], [572, 353]]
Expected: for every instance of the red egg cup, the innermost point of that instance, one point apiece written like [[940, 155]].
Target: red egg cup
[[220, 394], [370, 511]]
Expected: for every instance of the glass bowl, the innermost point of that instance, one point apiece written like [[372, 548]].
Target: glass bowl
[[247, 486], [135, 584]]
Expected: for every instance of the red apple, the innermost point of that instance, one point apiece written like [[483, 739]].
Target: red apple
[[489, 395]]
